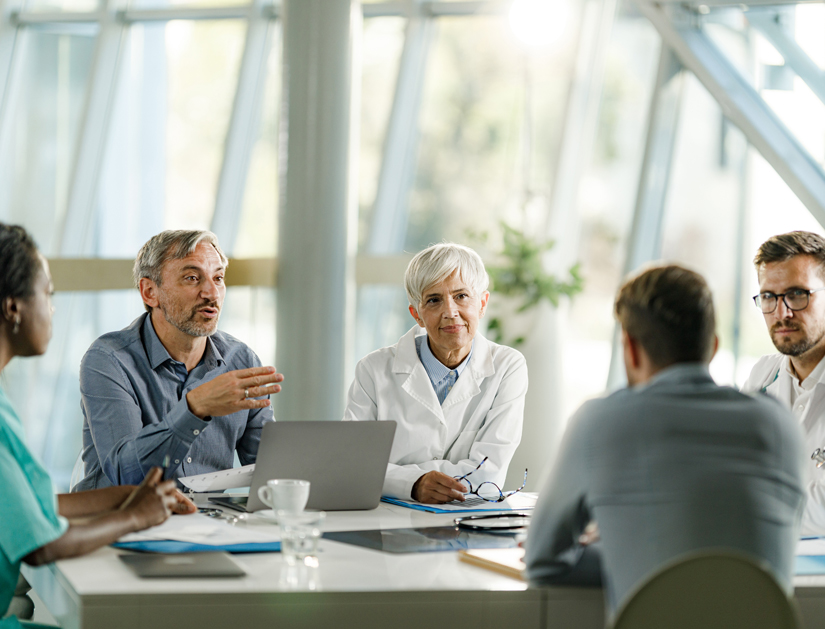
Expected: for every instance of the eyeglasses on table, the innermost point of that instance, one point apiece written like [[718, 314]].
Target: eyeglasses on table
[[489, 491]]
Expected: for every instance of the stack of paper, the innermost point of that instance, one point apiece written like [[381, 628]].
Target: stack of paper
[[218, 481]]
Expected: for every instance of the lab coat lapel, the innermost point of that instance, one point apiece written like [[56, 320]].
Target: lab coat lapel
[[816, 408], [417, 385], [780, 386], [480, 367]]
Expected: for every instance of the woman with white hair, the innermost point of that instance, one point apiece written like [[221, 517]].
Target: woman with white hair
[[458, 398]]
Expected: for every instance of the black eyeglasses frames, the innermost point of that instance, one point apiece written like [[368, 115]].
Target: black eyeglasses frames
[[489, 491], [795, 299]]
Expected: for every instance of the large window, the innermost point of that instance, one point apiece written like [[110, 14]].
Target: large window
[[115, 126]]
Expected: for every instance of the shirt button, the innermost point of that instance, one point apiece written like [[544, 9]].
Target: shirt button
[[177, 461], [196, 432], [189, 459]]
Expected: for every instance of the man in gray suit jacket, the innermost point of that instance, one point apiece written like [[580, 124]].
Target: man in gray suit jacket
[[672, 464]]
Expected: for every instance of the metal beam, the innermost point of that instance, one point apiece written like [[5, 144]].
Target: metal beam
[[732, 3], [645, 240], [242, 132], [389, 220], [75, 228], [580, 127], [388, 226], [318, 215], [769, 23], [461, 8], [742, 105], [9, 37]]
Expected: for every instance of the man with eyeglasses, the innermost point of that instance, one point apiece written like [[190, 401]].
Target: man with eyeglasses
[[791, 272], [671, 464]]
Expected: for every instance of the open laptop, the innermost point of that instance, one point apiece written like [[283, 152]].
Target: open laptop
[[345, 463]]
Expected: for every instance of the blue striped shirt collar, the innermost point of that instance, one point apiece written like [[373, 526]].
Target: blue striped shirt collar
[[158, 354]]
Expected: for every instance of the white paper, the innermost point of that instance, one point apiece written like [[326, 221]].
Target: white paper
[[218, 481], [810, 547], [517, 502], [200, 529]]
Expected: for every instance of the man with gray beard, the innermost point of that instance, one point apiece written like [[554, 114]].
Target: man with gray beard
[[791, 272], [171, 384]]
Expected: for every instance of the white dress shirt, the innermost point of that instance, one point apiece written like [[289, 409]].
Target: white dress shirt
[[774, 374]]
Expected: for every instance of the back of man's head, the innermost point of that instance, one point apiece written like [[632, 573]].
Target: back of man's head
[[668, 310], [786, 246]]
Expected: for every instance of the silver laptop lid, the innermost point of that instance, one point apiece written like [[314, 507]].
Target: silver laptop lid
[[345, 462]]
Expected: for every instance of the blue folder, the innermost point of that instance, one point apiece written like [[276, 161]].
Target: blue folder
[[810, 564], [171, 546], [435, 509]]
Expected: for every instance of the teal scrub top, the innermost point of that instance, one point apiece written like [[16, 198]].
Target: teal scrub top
[[28, 504]]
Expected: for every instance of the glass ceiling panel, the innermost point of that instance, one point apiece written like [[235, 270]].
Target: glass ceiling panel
[[168, 130], [38, 148], [258, 229], [473, 169]]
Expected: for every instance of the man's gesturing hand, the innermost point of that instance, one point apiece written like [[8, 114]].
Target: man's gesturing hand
[[438, 488], [233, 391]]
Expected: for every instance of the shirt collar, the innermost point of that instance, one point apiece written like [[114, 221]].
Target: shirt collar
[[680, 372], [435, 369], [817, 375], [158, 354]]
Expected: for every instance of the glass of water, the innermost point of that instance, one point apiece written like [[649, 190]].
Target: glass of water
[[300, 533]]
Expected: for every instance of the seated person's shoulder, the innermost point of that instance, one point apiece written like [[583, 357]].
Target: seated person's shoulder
[[763, 372], [505, 355], [379, 357], [114, 342]]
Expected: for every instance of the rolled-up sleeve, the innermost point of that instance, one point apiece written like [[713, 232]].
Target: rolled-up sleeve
[[126, 448]]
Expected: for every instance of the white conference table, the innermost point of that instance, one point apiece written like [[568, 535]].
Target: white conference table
[[352, 587]]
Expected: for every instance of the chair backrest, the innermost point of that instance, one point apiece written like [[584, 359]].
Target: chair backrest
[[709, 590]]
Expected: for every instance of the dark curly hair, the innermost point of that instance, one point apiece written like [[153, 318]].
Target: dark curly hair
[[19, 262]]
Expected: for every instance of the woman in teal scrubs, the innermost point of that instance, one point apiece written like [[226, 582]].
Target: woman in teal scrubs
[[37, 526]]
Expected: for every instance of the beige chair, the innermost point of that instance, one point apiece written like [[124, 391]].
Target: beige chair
[[709, 590]]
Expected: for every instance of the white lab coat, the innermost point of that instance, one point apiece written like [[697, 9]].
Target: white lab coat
[[770, 375], [481, 416]]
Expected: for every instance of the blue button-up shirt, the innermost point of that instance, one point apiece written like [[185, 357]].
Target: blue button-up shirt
[[442, 377], [133, 398]]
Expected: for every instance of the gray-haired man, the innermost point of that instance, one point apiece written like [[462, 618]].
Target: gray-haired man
[[171, 383]]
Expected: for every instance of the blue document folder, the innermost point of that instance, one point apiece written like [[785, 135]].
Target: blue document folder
[[171, 546], [481, 508], [811, 564]]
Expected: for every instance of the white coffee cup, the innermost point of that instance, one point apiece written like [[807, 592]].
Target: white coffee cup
[[285, 494]]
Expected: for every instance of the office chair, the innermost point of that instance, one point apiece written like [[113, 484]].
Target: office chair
[[709, 590]]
